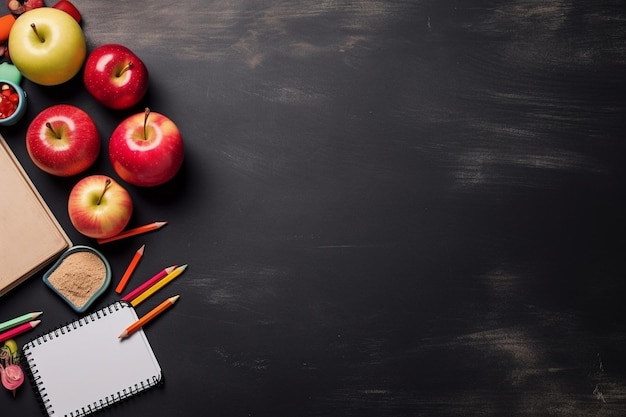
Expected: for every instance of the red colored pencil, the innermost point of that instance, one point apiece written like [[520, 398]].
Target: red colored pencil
[[133, 232], [130, 269], [10, 334], [148, 283]]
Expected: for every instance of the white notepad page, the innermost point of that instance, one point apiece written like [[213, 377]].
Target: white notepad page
[[84, 366]]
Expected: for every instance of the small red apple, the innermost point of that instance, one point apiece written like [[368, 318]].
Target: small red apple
[[99, 207], [69, 8], [146, 149], [63, 140], [115, 76]]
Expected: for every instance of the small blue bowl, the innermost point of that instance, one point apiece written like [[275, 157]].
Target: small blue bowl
[[21, 104], [93, 294]]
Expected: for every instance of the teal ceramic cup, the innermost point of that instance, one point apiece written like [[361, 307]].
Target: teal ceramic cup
[[77, 282], [21, 103]]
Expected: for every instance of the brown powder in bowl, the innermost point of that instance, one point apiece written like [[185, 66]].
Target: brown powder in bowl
[[79, 276]]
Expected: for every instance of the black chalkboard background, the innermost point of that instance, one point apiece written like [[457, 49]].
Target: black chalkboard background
[[388, 208]]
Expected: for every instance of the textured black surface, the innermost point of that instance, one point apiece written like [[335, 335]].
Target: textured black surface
[[387, 208]]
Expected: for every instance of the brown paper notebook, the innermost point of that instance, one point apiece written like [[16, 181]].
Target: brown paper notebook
[[30, 235]]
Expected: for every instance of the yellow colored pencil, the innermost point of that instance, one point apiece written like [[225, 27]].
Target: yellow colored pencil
[[149, 316], [130, 269], [133, 232], [147, 284], [156, 287]]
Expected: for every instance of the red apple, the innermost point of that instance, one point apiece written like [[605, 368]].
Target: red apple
[[68, 7], [63, 140], [115, 76], [146, 149], [99, 207]]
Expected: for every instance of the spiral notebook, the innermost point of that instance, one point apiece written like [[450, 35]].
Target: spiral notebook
[[83, 366]]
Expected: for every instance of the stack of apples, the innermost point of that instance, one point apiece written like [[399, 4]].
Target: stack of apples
[[48, 47]]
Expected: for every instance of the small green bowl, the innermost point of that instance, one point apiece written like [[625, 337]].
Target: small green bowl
[[21, 105], [63, 289]]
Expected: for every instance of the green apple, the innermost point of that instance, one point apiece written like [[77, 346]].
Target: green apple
[[47, 45]]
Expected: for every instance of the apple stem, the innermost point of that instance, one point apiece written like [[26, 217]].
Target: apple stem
[[145, 123], [32, 25], [54, 132], [107, 184], [123, 70]]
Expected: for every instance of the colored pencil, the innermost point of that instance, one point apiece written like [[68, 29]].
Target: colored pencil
[[18, 330], [19, 320], [133, 232], [130, 269], [149, 316], [156, 287], [150, 282]]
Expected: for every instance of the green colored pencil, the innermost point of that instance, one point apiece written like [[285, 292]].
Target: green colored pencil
[[19, 320]]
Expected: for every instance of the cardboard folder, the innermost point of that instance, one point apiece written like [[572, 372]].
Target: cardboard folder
[[30, 235]]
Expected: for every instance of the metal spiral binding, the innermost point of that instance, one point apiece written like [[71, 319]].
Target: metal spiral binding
[[110, 400], [114, 399]]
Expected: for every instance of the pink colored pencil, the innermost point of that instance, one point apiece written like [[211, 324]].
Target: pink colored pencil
[[148, 283], [10, 334]]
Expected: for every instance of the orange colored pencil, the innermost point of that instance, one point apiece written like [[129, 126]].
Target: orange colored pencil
[[133, 232], [130, 269], [149, 316]]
